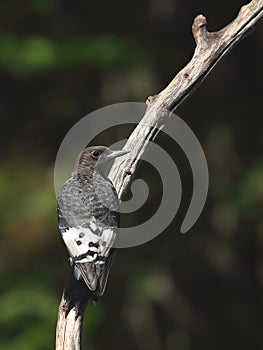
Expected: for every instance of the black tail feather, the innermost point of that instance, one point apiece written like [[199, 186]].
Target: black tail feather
[[76, 294]]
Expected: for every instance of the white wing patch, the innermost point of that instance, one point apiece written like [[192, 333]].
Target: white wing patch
[[89, 244]]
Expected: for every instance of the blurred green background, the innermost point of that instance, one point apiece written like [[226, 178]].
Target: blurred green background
[[60, 60]]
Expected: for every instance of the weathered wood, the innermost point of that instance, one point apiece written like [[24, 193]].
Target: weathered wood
[[68, 327], [210, 49], [70, 315]]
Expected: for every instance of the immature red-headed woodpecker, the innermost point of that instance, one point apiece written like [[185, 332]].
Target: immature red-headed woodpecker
[[88, 216]]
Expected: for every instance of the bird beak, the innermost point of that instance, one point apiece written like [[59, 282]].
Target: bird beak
[[115, 154]]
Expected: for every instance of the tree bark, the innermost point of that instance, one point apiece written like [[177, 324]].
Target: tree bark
[[211, 47], [70, 314]]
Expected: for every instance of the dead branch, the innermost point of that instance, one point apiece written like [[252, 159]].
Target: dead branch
[[70, 314], [210, 49]]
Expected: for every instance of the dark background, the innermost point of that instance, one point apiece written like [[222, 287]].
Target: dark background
[[60, 60]]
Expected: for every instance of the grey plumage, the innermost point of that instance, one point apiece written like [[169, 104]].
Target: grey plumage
[[88, 216]]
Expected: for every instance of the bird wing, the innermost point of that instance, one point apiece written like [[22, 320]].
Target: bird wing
[[104, 273], [88, 238]]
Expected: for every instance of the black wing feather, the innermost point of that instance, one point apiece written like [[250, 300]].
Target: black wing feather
[[93, 273]]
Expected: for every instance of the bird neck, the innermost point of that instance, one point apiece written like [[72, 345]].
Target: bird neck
[[84, 172], [88, 173]]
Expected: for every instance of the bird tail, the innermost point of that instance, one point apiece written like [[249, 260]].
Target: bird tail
[[76, 294], [104, 273], [94, 275]]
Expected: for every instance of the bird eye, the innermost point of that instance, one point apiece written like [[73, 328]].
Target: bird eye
[[95, 154]]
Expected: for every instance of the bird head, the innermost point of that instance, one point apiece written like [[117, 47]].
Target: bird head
[[96, 156]]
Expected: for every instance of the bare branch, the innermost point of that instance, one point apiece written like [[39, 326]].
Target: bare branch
[[68, 328], [210, 49], [70, 315]]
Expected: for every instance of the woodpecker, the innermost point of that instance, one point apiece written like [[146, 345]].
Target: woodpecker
[[88, 217]]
